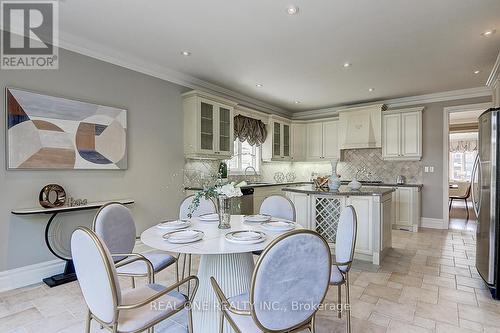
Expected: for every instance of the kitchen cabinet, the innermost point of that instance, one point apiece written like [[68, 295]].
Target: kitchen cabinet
[[302, 205], [402, 134], [322, 140], [299, 141], [360, 127], [321, 212], [208, 126], [278, 145], [406, 208]]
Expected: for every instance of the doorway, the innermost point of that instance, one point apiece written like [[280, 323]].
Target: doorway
[[460, 149]]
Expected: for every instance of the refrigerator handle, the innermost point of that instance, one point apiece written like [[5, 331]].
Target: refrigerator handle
[[473, 176]]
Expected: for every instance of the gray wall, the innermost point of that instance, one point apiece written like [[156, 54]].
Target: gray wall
[[432, 146], [155, 153]]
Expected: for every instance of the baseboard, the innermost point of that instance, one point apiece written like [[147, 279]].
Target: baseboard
[[31, 274], [426, 222]]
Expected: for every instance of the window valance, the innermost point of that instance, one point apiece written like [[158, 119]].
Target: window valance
[[463, 146], [249, 129]]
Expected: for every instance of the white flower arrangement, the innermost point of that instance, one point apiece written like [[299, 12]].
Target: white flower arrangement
[[230, 190]]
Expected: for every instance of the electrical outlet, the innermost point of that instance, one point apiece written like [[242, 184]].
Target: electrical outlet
[[426, 169], [431, 169]]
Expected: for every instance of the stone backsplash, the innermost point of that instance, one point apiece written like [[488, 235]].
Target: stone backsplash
[[366, 163]]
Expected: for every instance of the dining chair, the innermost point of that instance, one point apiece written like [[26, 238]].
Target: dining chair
[[289, 284], [345, 242], [461, 193], [116, 227], [278, 206], [206, 206], [131, 311]]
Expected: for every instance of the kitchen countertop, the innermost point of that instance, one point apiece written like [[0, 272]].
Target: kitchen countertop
[[345, 182], [255, 185], [343, 190]]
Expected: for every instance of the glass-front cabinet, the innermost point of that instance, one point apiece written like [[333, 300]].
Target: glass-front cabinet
[[208, 126], [279, 139]]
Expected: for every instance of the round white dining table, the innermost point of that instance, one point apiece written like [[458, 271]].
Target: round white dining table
[[231, 264]]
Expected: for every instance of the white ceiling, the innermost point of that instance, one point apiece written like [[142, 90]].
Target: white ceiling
[[399, 47]]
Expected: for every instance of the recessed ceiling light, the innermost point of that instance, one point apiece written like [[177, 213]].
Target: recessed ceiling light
[[370, 89], [259, 85], [347, 64], [297, 102], [186, 53], [292, 10], [477, 72], [488, 33]]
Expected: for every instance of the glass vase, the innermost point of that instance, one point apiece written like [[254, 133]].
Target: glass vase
[[224, 212]]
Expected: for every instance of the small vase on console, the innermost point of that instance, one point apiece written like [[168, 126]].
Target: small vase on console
[[334, 181]]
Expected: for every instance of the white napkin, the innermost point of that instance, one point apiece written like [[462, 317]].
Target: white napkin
[[175, 223], [186, 234], [213, 216], [256, 218], [246, 235]]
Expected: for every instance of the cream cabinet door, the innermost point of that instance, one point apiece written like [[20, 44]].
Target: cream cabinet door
[[330, 140], [364, 237], [302, 205], [411, 134], [208, 126], [225, 131], [314, 141], [391, 134], [404, 206], [287, 138], [299, 142]]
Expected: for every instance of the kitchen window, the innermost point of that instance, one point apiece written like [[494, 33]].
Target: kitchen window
[[244, 156]]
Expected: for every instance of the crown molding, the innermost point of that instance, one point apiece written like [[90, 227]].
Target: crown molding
[[101, 52], [399, 102], [495, 73]]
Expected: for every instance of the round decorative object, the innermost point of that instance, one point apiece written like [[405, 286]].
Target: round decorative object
[[51, 196]]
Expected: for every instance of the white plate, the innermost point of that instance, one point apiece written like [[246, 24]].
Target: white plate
[[257, 218], [239, 239], [278, 225], [174, 224], [246, 235], [183, 236], [209, 217]]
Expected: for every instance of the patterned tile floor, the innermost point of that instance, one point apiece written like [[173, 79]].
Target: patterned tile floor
[[427, 283]]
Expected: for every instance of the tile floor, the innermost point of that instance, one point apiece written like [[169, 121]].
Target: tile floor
[[427, 283]]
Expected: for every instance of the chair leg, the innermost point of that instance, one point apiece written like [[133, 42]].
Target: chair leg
[[348, 303], [88, 318], [151, 330], [339, 301], [451, 204], [190, 318], [467, 209], [221, 323], [313, 327], [189, 274], [133, 282]]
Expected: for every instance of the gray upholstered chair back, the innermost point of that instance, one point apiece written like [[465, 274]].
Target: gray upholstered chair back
[[96, 274], [206, 206], [115, 225], [345, 240], [291, 279], [278, 206]]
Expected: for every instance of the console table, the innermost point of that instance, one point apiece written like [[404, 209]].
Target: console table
[[69, 270]]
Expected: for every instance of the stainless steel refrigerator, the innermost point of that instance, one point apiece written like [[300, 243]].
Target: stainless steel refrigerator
[[485, 197]]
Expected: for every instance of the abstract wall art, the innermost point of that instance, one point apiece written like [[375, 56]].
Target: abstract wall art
[[46, 132]]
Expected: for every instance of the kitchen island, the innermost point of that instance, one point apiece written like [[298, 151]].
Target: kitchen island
[[319, 209]]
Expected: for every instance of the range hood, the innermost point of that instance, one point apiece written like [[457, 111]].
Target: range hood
[[361, 127]]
